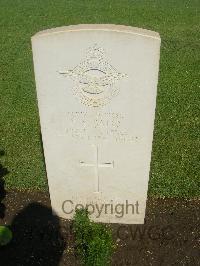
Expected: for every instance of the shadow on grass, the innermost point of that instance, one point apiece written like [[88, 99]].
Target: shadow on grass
[[37, 238], [42, 148], [3, 171]]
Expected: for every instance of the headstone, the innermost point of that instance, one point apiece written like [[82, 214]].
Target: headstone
[[96, 90]]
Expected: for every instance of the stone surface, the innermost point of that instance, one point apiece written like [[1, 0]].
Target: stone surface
[[96, 89]]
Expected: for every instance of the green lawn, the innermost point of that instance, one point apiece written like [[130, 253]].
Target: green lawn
[[175, 168]]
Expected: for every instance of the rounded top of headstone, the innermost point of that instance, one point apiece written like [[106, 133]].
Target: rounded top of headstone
[[100, 27]]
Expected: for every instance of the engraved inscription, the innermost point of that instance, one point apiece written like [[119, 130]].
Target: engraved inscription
[[101, 126], [94, 78]]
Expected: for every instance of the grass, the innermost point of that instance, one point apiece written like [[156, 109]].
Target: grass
[[175, 163], [93, 241]]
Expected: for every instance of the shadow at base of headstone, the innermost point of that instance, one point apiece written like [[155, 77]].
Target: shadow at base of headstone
[[3, 171], [37, 238]]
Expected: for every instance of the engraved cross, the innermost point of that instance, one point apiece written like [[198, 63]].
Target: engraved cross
[[96, 166]]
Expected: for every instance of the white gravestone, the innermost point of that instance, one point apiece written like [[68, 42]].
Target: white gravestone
[[96, 89]]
